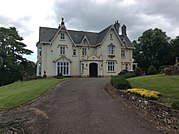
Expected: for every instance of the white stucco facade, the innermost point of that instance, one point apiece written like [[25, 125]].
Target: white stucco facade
[[85, 54]]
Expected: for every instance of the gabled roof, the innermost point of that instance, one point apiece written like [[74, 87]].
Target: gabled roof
[[47, 34]]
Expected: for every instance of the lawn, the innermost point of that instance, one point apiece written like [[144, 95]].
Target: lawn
[[168, 86], [19, 93]]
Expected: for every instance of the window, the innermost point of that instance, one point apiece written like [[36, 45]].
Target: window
[[110, 36], [63, 68], [82, 67], [74, 52], [40, 69], [40, 51], [126, 66], [111, 65], [111, 48], [84, 51], [122, 53], [62, 37], [62, 50]]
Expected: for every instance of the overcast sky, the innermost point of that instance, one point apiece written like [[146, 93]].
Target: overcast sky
[[92, 15]]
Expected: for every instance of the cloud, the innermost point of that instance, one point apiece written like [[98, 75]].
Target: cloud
[[138, 15]]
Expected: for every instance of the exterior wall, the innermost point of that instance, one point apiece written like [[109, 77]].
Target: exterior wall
[[99, 55]]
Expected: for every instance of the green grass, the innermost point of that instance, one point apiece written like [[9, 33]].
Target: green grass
[[168, 86], [19, 93]]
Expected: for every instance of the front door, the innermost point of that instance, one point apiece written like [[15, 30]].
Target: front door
[[93, 69]]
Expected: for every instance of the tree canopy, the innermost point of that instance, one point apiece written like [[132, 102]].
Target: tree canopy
[[12, 50], [152, 48]]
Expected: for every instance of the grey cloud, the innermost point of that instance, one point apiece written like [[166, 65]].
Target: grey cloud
[[138, 16], [20, 24]]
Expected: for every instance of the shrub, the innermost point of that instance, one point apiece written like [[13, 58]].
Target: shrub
[[175, 105], [129, 75], [149, 94], [151, 70], [119, 82], [59, 76], [138, 71]]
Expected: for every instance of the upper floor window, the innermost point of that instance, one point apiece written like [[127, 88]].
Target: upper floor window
[[111, 66], [62, 50], [111, 37], [84, 51], [122, 53], [62, 36], [111, 49], [74, 52]]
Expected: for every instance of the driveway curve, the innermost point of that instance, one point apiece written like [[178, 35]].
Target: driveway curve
[[81, 106]]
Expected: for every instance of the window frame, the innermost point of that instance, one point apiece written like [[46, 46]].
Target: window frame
[[62, 36], [63, 67], [74, 51], [62, 50], [84, 51], [111, 66], [111, 49], [123, 53]]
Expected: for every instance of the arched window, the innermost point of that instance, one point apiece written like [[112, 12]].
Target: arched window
[[111, 49]]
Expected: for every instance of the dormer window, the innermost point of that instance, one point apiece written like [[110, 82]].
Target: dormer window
[[62, 36], [84, 51], [111, 48]]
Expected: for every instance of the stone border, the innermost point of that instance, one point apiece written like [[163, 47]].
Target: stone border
[[162, 114]]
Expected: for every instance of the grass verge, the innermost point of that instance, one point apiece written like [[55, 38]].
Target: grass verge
[[168, 86], [19, 93]]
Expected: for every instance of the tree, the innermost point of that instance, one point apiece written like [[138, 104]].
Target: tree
[[174, 50], [151, 70], [11, 50], [152, 48]]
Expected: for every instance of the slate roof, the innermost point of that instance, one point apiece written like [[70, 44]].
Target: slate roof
[[46, 35]]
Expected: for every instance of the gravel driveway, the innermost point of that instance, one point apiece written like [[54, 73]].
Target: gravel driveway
[[81, 106]]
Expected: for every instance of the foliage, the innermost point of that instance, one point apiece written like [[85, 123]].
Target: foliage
[[174, 52], [138, 71], [151, 70], [129, 75], [19, 93], [119, 82], [149, 94], [59, 76], [166, 85], [11, 51], [152, 48], [175, 105]]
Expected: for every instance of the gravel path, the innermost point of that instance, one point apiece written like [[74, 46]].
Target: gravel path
[[81, 106]]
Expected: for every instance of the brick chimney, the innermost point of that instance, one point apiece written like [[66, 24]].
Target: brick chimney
[[116, 26], [123, 28]]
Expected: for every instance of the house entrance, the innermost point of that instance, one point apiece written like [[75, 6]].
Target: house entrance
[[93, 69]]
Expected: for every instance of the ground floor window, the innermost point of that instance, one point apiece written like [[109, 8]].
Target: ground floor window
[[40, 69], [63, 68], [111, 66]]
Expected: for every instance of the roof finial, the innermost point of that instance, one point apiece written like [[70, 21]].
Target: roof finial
[[62, 23]]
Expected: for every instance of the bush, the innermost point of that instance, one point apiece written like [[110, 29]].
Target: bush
[[129, 75], [119, 82], [175, 105], [59, 76], [151, 70], [138, 71]]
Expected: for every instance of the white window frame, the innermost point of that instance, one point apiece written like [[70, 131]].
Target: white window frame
[[74, 52], [40, 69], [62, 36], [82, 68], [111, 49], [62, 50], [111, 66], [40, 51], [84, 51], [123, 53], [126, 66], [63, 67]]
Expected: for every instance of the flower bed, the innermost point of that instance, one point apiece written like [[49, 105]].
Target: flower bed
[[152, 95]]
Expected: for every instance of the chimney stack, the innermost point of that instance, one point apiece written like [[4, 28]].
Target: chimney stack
[[123, 28], [116, 26], [62, 23]]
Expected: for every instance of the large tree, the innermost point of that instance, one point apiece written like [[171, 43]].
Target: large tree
[[152, 48], [11, 54], [175, 49]]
